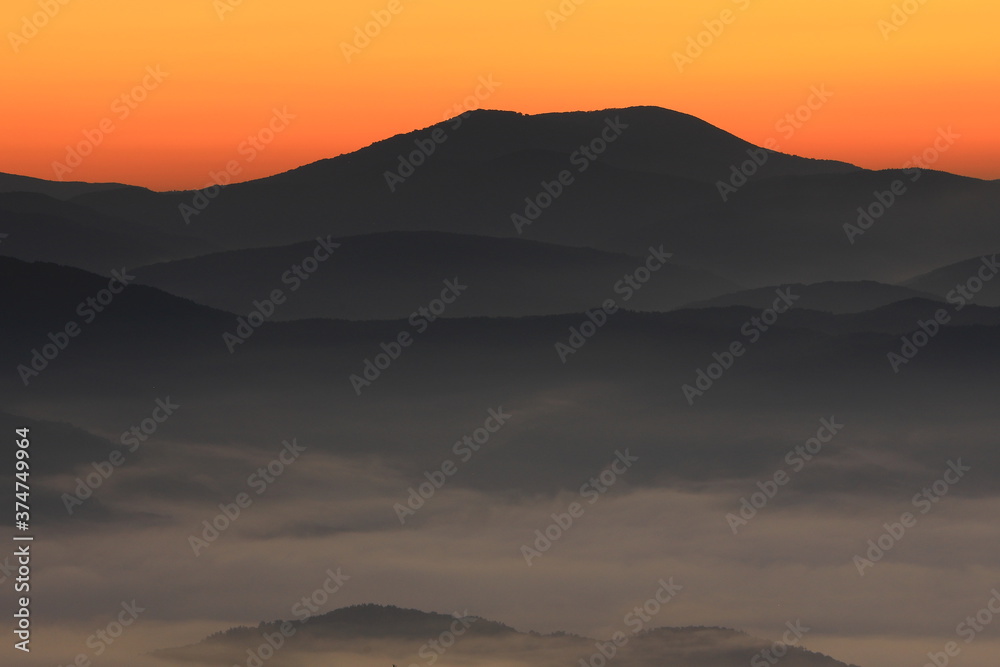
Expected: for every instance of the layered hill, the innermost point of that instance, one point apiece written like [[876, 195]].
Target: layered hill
[[374, 634], [390, 275]]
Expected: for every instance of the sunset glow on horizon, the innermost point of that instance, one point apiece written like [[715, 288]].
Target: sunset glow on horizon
[[140, 81]]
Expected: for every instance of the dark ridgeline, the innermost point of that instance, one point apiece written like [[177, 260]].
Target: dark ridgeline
[[404, 631]]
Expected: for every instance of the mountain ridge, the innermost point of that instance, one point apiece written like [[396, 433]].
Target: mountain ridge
[[451, 638]]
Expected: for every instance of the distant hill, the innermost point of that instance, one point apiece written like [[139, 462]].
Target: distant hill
[[148, 343], [947, 279], [831, 297], [42, 228], [374, 634], [658, 182], [653, 140], [56, 189], [390, 275]]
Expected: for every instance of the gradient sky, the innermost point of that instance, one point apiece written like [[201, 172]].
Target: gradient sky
[[228, 70]]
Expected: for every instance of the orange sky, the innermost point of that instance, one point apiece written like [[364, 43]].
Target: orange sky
[[228, 70]]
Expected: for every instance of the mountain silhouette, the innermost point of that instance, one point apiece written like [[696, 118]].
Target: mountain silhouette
[[39, 227], [388, 275], [832, 297], [969, 273], [659, 182], [401, 636]]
